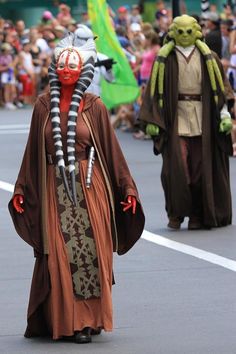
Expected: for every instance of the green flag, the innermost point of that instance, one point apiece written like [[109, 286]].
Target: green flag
[[124, 89]]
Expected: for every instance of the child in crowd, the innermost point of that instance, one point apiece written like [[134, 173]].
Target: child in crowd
[[7, 76]]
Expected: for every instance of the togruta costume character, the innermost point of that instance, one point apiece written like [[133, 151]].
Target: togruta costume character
[[75, 202], [185, 111]]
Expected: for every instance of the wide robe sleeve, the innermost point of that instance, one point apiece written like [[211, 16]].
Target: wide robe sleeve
[[150, 112], [28, 224], [129, 226]]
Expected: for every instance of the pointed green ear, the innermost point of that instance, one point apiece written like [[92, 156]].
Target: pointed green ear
[[212, 67]]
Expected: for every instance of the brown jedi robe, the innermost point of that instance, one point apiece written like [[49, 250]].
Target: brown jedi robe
[[31, 182], [216, 196]]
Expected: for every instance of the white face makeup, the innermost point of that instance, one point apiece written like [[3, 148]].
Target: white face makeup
[[69, 67], [69, 59]]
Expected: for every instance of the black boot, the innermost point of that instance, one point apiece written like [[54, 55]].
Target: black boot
[[175, 222], [195, 223], [96, 331], [196, 217], [83, 336]]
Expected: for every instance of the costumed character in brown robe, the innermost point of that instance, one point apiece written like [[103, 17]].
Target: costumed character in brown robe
[[185, 112], [75, 202]]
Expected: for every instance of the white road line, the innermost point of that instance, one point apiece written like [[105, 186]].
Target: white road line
[[192, 251], [14, 126], [6, 186], [165, 242], [20, 131]]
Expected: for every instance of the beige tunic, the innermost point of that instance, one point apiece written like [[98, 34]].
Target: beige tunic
[[189, 82]]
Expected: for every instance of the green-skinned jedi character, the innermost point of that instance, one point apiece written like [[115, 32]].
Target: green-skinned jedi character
[[185, 112]]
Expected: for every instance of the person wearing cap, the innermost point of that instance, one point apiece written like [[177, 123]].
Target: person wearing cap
[[123, 17], [162, 21], [72, 25], [47, 18], [213, 36], [161, 10], [59, 32], [135, 32], [135, 27]]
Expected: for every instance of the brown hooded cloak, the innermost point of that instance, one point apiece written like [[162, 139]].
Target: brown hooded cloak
[[216, 147], [31, 183]]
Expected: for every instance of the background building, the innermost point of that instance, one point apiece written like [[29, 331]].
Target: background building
[[31, 11]]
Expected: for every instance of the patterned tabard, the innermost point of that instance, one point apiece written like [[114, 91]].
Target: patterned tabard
[[75, 223]]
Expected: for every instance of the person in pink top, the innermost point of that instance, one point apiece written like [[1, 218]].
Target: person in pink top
[[151, 49]]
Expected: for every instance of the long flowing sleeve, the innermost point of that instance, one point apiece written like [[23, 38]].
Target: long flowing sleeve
[[28, 224], [129, 226]]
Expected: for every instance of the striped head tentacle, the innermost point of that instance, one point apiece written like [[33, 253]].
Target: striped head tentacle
[[161, 83], [86, 50], [161, 59], [205, 50], [55, 86], [154, 77], [218, 75], [81, 86]]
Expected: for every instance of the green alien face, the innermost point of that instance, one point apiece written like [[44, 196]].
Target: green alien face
[[185, 30], [184, 36]]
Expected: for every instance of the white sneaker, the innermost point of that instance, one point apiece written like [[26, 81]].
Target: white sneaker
[[10, 105], [19, 104]]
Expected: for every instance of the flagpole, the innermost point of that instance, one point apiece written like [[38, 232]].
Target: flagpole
[[175, 8]]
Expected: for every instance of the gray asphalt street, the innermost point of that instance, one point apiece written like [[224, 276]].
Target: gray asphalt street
[[166, 301]]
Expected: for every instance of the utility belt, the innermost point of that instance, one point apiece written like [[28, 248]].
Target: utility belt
[[79, 156], [87, 154], [189, 97]]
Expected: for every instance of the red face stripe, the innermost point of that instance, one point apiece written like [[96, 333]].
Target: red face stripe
[[67, 75]]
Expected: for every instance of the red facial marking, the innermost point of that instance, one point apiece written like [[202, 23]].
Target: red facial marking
[[67, 74]]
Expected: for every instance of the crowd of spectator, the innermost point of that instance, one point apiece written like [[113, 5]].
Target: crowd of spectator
[[141, 41], [25, 53]]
